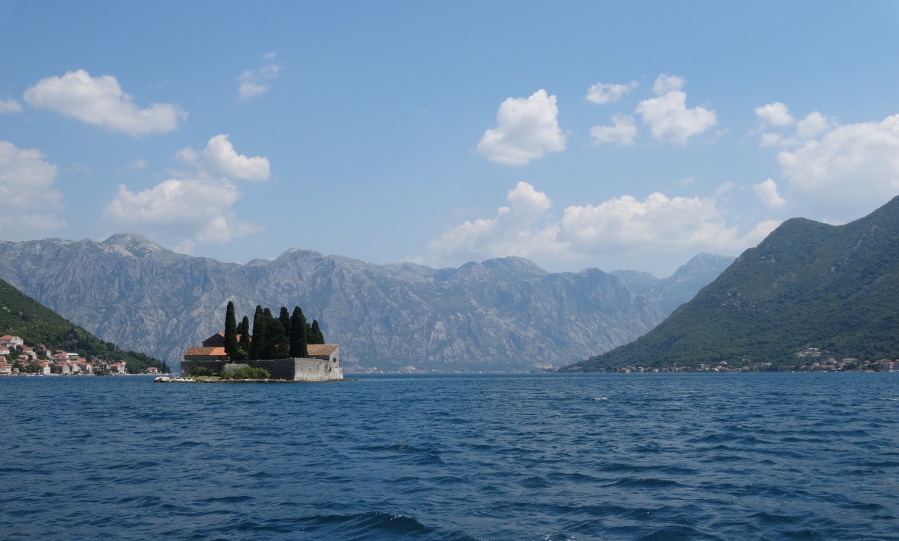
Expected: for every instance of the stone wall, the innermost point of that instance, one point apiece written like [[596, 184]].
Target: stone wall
[[295, 369], [316, 370]]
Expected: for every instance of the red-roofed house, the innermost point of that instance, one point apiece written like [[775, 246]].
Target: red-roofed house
[[206, 354], [11, 340], [325, 352]]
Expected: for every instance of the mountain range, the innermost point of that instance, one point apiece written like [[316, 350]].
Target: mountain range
[[808, 287], [498, 315]]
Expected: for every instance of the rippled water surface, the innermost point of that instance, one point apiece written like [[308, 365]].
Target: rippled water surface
[[513, 457]]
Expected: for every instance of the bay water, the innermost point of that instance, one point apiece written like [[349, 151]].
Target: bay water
[[454, 457]]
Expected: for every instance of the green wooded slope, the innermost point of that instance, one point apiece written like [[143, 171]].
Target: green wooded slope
[[807, 285], [22, 316]]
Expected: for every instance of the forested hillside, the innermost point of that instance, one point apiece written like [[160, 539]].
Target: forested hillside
[[808, 285], [22, 316]]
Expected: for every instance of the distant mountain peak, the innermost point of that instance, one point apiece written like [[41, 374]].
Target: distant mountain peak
[[134, 244], [297, 252], [517, 264]]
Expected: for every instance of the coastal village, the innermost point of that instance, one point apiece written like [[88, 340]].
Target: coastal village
[[808, 360], [20, 358]]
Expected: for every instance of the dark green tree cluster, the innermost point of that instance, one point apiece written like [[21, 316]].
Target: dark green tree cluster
[[272, 337], [230, 331]]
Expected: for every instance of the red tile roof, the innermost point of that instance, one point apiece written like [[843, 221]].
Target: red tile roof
[[220, 351], [321, 349]]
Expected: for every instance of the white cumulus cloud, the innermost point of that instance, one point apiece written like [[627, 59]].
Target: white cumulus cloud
[[601, 93], [515, 230], [220, 160], [198, 208], [31, 203], [100, 101], [623, 131], [668, 116], [767, 193], [657, 223], [777, 118], [9, 106], [848, 170], [775, 114], [527, 128], [813, 125], [622, 226], [202, 209]]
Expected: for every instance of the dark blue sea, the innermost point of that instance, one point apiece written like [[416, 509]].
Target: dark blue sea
[[546, 457]]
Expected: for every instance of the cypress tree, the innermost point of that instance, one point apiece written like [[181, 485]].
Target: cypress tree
[[258, 345], [244, 331], [278, 348], [298, 334], [267, 349], [284, 318], [230, 331], [316, 337]]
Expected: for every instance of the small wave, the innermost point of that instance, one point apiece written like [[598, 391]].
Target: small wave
[[648, 482], [575, 477], [408, 453], [399, 448], [229, 499], [773, 518], [534, 482], [715, 438], [190, 444], [651, 447], [377, 526], [560, 536], [675, 533]]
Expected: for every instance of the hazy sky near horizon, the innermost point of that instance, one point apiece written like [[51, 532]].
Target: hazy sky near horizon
[[616, 135]]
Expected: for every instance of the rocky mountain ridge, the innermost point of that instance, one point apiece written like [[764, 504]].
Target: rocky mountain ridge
[[497, 315]]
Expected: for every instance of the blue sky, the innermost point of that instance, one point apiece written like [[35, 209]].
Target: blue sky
[[615, 135]]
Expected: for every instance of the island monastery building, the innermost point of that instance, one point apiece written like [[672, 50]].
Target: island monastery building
[[322, 364]]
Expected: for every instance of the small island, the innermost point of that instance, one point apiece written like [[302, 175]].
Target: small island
[[279, 349]]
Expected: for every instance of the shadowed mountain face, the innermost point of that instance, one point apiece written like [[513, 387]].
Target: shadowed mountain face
[[680, 287], [808, 285], [498, 315]]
